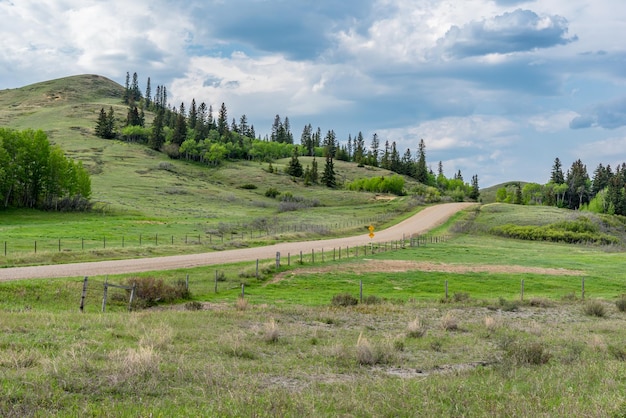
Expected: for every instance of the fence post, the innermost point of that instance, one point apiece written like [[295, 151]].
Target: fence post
[[522, 294], [277, 260], [312, 256], [446, 290], [243, 290], [132, 297], [104, 297], [83, 296], [361, 291], [301, 257], [59, 244], [5, 248], [187, 283], [289, 259], [35, 247], [82, 244]]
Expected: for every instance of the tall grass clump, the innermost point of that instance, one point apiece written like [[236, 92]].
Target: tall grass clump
[[595, 308], [344, 299], [621, 303], [416, 328]]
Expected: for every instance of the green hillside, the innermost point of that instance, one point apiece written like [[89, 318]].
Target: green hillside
[[144, 191]]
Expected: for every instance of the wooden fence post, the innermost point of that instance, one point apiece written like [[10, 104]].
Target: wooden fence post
[[446, 290], [132, 296], [83, 295], [104, 297]]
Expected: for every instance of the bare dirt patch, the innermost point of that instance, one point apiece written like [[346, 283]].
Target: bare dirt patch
[[401, 266]]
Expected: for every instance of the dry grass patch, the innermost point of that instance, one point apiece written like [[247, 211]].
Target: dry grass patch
[[271, 332], [449, 322], [241, 304], [416, 328]]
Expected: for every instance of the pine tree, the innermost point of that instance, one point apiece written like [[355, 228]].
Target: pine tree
[[157, 137], [148, 95], [359, 149], [328, 176], [222, 120], [101, 124], [294, 168], [421, 171], [557, 176], [126, 97], [105, 126], [314, 172], [374, 151], [475, 191]]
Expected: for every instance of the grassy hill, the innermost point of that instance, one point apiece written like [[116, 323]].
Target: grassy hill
[[144, 192]]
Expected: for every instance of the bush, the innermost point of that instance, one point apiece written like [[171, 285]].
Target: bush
[[461, 297], [372, 300], [621, 304], [150, 291], [595, 308], [272, 192], [344, 299], [248, 186]]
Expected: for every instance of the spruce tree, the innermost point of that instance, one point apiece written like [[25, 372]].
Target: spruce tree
[[421, 171], [328, 176], [294, 168]]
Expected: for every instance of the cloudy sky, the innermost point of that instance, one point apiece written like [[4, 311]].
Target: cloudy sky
[[497, 88]]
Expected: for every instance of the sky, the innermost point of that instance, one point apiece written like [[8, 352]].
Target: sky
[[496, 88]]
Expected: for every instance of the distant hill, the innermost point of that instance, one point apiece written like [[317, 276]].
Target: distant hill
[[488, 194]]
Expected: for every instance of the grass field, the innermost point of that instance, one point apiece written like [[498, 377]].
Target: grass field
[[285, 349]]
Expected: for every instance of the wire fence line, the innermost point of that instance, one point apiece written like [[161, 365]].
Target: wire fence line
[[230, 233]]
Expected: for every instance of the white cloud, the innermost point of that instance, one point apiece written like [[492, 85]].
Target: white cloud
[[554, 121]]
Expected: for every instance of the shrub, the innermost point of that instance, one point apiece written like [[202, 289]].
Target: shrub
[[150, 291], [621, 304], [248, 186], [416, 328], [272, 192], [595, 308], [344, 299]]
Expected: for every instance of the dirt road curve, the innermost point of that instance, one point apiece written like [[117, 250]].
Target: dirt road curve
[[420, 223]]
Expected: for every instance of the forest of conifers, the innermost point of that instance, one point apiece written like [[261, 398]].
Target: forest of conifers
[[605, 192], [193, 133]]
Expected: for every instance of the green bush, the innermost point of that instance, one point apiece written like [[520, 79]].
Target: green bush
[[272, 192], [248, 186]]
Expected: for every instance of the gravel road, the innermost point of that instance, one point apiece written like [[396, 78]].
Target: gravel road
[[422, 222]]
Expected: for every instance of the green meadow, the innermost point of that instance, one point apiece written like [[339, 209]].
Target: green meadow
[[365, 335]]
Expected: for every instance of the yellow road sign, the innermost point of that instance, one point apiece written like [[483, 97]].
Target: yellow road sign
[[371, 228], [371, 235]]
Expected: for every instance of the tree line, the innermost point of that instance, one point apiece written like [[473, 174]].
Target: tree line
[[194, 133], [603, 192], [35, 174]]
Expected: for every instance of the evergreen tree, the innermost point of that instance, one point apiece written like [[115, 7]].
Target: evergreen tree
[[475, 191], [135, 93], [306, 140], [328, 175], [148, 95], [126, 97], [105, 126], [330, 144], [179, 135], [193, 115], [557, 176], [421, 171], [244, 129], [277, 127], [578, 184], [407, 163], [601, 177], [157, 137], [519, 199], [294, 168], [394, 159], [359, 149], [374, 150], [314, 172], [385, 161], [350, 149], [222, 120]]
